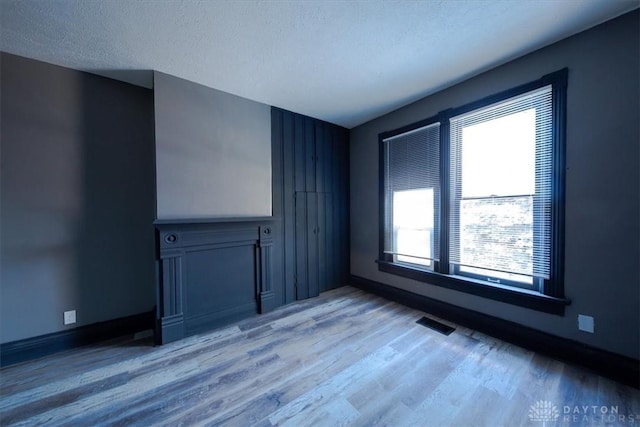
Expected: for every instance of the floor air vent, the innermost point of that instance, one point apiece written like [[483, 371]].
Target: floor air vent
[[435, 325]]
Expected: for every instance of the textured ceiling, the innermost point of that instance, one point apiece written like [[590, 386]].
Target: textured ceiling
[[342, 61]]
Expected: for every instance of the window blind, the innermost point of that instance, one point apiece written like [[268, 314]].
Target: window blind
[[412, 163], [501, 188]]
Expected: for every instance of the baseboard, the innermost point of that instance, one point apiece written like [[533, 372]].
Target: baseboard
[[267, 301], [169, 329], [617, 367], [43, 345]]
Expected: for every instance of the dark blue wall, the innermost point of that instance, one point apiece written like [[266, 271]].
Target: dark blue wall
[[77, 198]]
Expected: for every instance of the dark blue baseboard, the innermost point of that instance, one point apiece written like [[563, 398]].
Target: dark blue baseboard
[[617, 367], [43, 345]]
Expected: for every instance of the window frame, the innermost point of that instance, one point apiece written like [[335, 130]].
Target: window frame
[[550, 298]]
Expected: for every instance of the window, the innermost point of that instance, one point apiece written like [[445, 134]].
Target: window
[[473, 198], [412, 195]]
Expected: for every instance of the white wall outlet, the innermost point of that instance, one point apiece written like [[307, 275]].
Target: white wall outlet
[[585, 323], [69, 317]]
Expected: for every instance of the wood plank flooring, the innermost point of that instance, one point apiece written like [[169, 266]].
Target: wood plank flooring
[[344, 358]]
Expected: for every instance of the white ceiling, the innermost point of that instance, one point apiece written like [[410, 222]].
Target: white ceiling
[[342, 61]]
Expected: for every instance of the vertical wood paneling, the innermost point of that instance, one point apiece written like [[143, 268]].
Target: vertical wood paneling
[[300, 150], [288, 173], [341, 200], [344, 155], [331, 240], [324, 265], [328, 159], [310, 155], [337, 238], [277, 191], [312, 244], [315, 187], [321, 158], [301, 248]]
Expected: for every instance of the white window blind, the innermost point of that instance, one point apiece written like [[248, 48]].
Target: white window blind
[[412, 195], [500, 189]]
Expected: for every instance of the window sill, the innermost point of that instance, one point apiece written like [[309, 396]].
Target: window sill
[[521, 297]]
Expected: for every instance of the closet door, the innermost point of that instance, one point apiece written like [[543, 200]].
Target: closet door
[[325, 262], [307, 245], [315, 205]]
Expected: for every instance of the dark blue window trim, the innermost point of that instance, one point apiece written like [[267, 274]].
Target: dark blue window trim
[[551, 297]]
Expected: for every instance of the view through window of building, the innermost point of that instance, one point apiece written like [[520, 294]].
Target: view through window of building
[[496, 207]]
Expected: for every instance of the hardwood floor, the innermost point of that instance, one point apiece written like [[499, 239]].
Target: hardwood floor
[[344, 358]]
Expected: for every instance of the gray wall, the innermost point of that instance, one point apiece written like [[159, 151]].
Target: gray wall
[[213, 152], [77, 198], [602, 190]]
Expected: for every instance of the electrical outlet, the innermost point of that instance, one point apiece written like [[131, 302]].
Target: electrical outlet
[[585, 323], [69, 317]]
